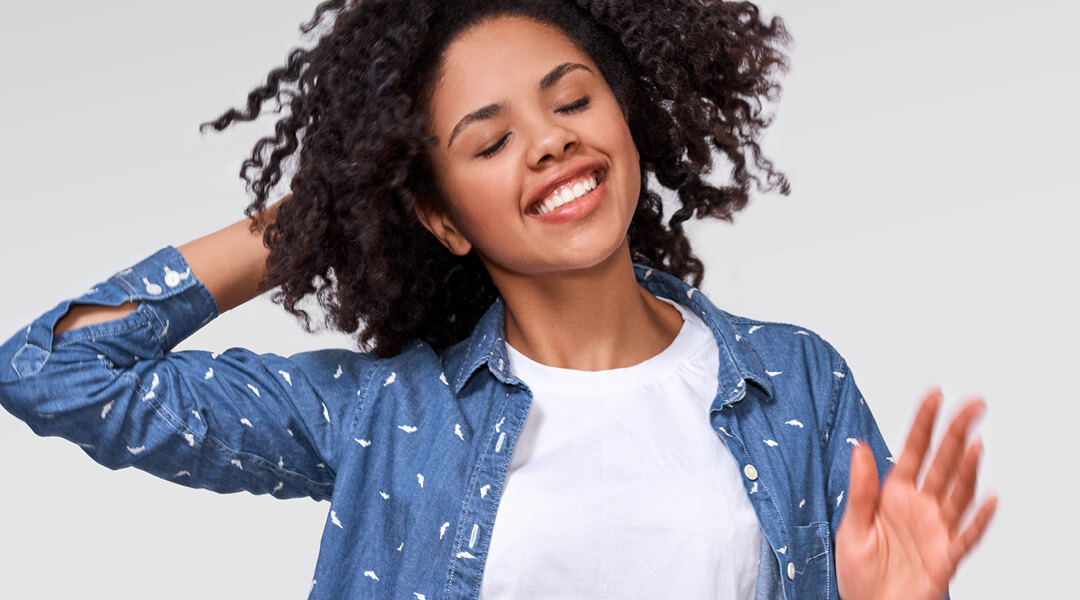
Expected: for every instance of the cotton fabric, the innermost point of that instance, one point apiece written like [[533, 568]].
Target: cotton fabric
[[619, 488], [412, 451]]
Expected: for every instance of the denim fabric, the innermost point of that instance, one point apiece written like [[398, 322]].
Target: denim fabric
[[412, 451]]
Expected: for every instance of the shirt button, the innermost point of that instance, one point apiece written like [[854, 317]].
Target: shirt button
[[791, 570], [750, 472]]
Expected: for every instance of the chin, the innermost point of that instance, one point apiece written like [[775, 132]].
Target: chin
[[588, 258]]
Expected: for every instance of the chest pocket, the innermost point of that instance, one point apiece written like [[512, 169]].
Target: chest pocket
[[811, 562]]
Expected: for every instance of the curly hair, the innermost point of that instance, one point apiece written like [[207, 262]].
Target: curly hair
[[690, 74]]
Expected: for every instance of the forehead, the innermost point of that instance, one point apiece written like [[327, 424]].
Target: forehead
[[490, 60], [507, 34]]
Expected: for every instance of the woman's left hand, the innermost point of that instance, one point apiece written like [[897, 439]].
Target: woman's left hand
[[903, 541]]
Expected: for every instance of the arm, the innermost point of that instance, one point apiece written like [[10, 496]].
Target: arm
[[230, 262], [230, 421], [895, 539], [849, 424]]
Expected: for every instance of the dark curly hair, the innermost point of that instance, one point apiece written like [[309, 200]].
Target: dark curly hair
[[690, 74]]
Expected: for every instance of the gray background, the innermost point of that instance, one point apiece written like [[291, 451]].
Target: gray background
[[931, 150]]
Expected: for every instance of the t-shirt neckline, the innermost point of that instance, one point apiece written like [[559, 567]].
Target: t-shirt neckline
[[688, 341]]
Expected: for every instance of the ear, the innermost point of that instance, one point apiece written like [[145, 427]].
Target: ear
[[443, 228]]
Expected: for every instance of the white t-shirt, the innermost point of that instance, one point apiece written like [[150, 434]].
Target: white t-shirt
[[619, 487]]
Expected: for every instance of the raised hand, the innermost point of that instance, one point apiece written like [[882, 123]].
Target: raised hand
[[903, 541]]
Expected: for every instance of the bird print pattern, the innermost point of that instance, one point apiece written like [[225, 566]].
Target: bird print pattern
[[289, 426]]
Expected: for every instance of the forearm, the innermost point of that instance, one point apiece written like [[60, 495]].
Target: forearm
[[230, 262]]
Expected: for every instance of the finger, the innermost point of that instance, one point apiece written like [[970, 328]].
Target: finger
[[947, 460], [964, 490], [918, 439], [963, 544], [862, 489]]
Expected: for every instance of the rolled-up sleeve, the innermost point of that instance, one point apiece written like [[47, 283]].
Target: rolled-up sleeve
[[849, 422], [228, 421]]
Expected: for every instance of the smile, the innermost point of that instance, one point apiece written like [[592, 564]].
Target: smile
[[568, 192]]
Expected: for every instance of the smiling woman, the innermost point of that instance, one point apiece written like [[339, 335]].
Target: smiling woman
[[503, 197], [542, 403], [395, 135], [554, 126]]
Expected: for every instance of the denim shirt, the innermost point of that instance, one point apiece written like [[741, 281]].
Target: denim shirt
[[412, 451]]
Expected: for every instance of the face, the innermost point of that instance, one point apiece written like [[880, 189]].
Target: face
[[534, 154]]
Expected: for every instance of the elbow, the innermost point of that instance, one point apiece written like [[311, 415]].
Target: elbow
[[40, 387]]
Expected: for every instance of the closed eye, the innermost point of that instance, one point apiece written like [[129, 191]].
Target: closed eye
[[574, 106], [490, 150]]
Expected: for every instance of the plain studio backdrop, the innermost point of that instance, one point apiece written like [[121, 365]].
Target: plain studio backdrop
[[930, 147]]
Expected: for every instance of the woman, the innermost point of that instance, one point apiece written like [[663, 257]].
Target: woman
[[472, 185]]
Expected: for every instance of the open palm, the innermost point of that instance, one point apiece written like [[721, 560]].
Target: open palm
[[903, 541]]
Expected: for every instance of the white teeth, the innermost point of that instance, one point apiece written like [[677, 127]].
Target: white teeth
[[568, 193]]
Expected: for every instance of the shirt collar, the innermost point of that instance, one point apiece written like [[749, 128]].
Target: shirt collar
[[485, 346], [738, 360]]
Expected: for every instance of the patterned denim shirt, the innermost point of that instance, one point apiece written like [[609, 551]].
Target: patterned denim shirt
[[412, 451]]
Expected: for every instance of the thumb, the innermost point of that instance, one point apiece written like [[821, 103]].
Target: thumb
[[862, 489]]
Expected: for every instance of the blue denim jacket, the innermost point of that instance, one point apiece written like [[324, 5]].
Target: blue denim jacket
[[412, 451]]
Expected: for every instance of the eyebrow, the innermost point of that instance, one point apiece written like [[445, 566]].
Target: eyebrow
[[492, 110]]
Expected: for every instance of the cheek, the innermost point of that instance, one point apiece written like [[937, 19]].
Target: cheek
[[481, 200], [633, 160], [482, 188], [617, 130], [628, 141]]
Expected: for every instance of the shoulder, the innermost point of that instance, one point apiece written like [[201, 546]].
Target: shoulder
[[787, 343], [798, 363], [338, 369], [806, 375], [747, 339], [756, 347]]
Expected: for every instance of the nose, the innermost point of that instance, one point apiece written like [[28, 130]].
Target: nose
[[552, 141]]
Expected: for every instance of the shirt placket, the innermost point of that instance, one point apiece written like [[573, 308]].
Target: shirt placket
[[759, 482], [485, 488]]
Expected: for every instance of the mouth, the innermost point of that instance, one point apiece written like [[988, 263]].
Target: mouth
[[568, 192]]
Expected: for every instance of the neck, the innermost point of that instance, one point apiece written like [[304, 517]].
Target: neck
[[590, 319]]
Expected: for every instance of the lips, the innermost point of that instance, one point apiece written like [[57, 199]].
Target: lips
[[563, 177]]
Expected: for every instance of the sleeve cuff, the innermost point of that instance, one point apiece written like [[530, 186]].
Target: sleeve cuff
[[177, 303], [171, 300]]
